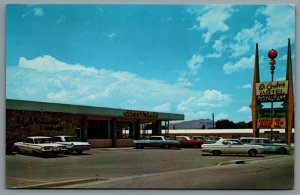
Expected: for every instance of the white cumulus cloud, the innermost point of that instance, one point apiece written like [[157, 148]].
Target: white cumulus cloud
[[195, 63], [244, 109], [222, 116], [247, 86], [47, 79], [38, 11], [243, 63], [50, 64], [213, 19]]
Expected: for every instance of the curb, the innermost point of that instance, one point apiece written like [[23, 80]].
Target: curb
[[62, 183]]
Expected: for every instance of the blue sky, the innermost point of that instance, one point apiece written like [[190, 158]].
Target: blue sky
[[190, 59]]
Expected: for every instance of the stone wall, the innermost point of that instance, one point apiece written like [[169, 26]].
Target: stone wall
[[21, 124]]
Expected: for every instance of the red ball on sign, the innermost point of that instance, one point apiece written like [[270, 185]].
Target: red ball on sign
[[272, 54]]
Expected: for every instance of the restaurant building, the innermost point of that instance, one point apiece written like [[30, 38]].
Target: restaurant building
[[100, 126]]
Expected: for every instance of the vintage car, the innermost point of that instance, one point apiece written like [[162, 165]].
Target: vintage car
[[72, 143], [156, 141], [269, 146], [186, 141], [206, 140], [232, 146], [39, 145]]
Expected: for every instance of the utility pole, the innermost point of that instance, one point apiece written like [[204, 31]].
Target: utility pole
[[213, 120]]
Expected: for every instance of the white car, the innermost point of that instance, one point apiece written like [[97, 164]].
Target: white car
[[39, 145], [72, 143], [232, 146]]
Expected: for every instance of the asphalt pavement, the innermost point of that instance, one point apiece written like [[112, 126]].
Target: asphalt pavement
[[128, 168]]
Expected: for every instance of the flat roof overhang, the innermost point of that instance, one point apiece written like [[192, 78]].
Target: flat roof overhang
[[89, 110]]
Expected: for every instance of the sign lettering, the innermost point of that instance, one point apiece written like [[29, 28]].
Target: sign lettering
[[271, 113], [145, 114], [272, 91], [271, 123]]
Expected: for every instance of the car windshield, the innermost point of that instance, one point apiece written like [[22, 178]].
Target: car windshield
[[183, 138], [71, 139], [43, 140]]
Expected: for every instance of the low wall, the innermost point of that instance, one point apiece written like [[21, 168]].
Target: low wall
[[100, 143], [124, 143], [107, 143]]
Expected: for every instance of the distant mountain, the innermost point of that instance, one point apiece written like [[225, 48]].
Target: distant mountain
[[193, 124]]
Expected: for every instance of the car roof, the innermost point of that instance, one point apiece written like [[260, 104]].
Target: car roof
[[38, 137], [64, 136], [253, 138]]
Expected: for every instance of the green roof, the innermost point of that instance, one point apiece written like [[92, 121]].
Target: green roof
[[79, 109]]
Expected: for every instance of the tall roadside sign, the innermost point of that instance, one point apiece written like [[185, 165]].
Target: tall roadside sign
[[270, 92]]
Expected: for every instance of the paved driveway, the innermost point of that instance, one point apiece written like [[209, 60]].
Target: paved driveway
[[114, 166]]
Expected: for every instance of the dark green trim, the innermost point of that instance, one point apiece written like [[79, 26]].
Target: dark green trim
[[77, 109]]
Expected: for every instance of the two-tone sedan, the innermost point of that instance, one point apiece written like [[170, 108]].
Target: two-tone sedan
[[232, 146], [39, 145], [269, 146], [72, 143], [156, 141]]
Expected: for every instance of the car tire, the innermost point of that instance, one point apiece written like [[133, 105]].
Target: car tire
[[281, 151], [216, 152], [167, 146], [139, 146], [35, 153], [252, 153], [79, 151], [17, 150]]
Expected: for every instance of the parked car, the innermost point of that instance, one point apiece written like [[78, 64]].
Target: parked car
[[39, 145], [232, 146], [186, 141], [72, 143], [206, 140], [156, 141], [269, 146]]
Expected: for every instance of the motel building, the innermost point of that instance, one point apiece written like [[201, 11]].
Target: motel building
[[101, 127]]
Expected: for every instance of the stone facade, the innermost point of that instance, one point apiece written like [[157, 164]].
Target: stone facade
[[21, 124]]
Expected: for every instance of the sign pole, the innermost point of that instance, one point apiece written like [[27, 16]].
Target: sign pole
[[254, 103], [272, 55]]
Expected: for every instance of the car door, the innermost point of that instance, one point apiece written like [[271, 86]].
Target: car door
[[236, 147], [156, 142], [224, 147], [268, 145], [27, 145]]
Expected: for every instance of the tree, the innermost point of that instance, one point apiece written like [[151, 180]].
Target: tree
[[225, 124]]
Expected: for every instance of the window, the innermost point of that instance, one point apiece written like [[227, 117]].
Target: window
[[155, 138], [235, 142], [57, 139], [97, 129], [225, 142], [28, 140], [71, 139]]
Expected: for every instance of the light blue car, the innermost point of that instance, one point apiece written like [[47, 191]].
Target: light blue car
[[269, 146]]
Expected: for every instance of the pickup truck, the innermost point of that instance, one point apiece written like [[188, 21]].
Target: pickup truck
[[156, 141], [186, 141]]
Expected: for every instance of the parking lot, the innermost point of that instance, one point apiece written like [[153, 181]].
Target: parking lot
[[149, 168]]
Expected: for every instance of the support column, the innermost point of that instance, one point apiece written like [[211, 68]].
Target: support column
[[137, 130], [113, 132], [83, 129], [156, 128], [131, 130]]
